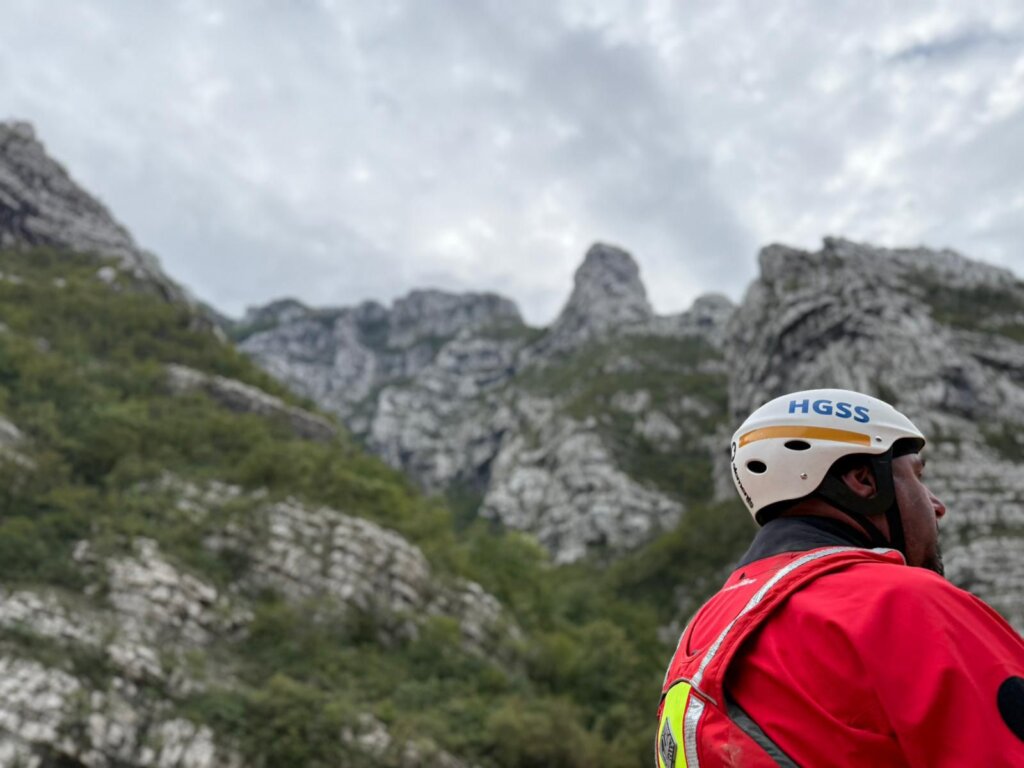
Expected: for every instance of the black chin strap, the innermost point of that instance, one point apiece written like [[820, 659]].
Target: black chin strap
[[838, 494]]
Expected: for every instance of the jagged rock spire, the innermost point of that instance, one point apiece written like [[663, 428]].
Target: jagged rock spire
[[608, 295], [607, 291]]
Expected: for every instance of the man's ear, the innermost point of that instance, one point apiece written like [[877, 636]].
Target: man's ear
[[861, 480]]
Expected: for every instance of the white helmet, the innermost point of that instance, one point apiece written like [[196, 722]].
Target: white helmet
[[785, 448]]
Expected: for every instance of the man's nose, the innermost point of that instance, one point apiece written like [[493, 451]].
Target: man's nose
[[940, 508]]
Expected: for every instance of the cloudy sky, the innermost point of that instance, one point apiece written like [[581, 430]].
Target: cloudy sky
[[339, 150]]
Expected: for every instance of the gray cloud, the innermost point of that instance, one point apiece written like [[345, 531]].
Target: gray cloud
[[338, 151], [961, 42]]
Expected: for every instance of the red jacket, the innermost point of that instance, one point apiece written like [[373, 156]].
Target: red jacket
[[842, 657]]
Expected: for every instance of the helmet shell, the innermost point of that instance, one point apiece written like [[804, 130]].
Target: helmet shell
[[785, 448]]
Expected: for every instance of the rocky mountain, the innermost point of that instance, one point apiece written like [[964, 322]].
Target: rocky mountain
[[201, 564], [340, 357], [198, 568], [41, 205], [607, 295], [522, 424], [155, 519], [572, 433]]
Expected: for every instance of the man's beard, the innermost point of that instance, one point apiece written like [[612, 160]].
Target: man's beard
[[934, 561]]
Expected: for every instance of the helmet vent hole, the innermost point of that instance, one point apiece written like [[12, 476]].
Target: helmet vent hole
[[757, 467], [798, 445]]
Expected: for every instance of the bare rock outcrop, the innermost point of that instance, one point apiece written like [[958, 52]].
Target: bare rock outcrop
[[11, 440], [50, 717], [245, 398], [371, 738], [607, 296], [129, 651], [41, 205], [708, 318], [446, 425], [100, 710], [342, 357], [442, 387], [305, 553], [555, 478]]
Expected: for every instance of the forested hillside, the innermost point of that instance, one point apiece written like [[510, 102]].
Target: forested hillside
[[189, 579]]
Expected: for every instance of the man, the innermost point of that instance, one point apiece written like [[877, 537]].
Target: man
[[824, 648]]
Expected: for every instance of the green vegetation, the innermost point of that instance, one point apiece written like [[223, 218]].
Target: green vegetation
[[510, 331], [979, 308], [1006, 440], [239, 331], [88, 664], [676, 572], [603, 368], [82, 375]]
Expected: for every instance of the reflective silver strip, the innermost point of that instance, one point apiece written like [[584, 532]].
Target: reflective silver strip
[[694, 710], [754, 731], [758, 597]]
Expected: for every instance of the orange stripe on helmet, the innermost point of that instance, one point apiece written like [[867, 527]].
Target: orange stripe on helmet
[[807, 433]]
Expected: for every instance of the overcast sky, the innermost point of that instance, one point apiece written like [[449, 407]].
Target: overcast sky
[[338, 151]]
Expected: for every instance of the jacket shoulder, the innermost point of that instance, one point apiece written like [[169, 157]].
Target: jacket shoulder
[[886, 598]]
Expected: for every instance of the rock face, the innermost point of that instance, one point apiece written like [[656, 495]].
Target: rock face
[[340, 357], [438, 315], [304, 553], [40, 205], [557, 479], [607, 295], [939, 336], [454, 390], [445, 425], [708, 317], [137, 642], [100, 710], [544, 428], [248, 399]]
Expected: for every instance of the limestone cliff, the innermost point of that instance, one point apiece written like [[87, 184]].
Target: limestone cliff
[[152, 637], [521, 419], [457, 392], [340, 357]]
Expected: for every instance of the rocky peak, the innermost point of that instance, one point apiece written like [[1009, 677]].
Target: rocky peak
[[806, 306], [430, 313], [274, 313], [41, 205], [607, 296], [838, 255], [607, 291], [338, 356]]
